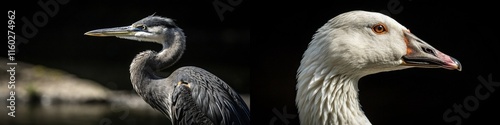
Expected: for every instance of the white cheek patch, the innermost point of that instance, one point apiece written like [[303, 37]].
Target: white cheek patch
[[155, 29], [143, 35], [150, 37], [129, 37]]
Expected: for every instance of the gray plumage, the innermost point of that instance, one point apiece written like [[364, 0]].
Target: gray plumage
[[190, 95], [184, 103]]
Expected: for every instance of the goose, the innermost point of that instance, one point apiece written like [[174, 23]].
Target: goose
[[348, 47]]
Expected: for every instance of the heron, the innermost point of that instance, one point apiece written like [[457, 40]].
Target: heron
[[189, 95], [348, 47]]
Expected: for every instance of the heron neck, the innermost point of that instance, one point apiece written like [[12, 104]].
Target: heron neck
[[145, 64], [173, 48], [147, 84], [327, 98]]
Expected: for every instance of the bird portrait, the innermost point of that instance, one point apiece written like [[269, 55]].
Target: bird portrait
[[348, 47], [189, 95]]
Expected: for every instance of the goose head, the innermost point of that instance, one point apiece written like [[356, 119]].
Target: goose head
[[362, 43]]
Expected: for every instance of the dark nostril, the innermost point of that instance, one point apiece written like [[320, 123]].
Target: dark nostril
[[428, 50]]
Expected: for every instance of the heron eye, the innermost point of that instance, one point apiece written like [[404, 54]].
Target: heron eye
[[142, 27], [379, 28]]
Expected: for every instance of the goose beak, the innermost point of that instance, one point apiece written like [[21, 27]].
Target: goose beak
[[423, 55]]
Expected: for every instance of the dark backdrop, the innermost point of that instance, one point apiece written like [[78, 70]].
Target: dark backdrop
[[465, 30]]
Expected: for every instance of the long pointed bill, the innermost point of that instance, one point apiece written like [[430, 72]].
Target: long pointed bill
[[116, 31], [421, 54]]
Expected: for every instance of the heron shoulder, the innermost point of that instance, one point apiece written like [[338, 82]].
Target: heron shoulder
[[185, 110], [217, 99]]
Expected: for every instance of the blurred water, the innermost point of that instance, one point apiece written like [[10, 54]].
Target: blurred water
[[82, 114]]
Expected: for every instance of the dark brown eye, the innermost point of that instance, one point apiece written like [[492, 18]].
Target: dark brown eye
[[379, 28]]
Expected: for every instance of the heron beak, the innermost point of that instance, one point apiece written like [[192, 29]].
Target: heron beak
[[116, 31], [423, 55]]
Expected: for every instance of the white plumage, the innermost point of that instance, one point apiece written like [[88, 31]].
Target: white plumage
[[349, 46]]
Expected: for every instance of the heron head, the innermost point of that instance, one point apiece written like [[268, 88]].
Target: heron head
[[151, 29], [371, 42]]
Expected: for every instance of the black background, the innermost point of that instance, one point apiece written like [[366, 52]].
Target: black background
[[268, 60], [465, 30]]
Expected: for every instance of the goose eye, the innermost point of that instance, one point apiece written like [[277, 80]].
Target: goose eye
[[379, 28]]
